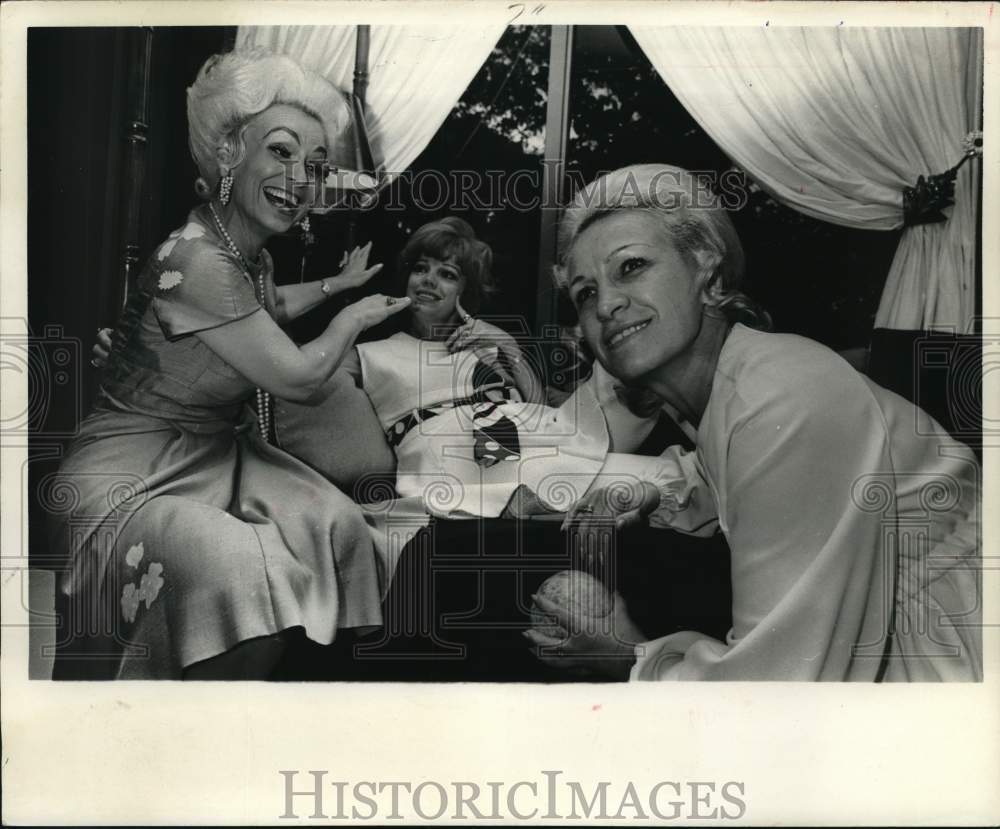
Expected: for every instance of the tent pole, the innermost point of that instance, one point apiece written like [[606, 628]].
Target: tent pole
[[553, 171], [140, 46], [362, 44], [361, 63]]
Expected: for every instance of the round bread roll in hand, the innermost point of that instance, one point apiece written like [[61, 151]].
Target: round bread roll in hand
[[579, 592]]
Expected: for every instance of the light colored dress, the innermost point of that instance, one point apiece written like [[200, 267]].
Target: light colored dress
[[849, 512], [185, 534], [463, 437]]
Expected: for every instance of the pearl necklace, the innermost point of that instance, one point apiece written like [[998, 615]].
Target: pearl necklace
[[263, 398]]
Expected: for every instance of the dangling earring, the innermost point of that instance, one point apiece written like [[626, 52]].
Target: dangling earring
[[225, 188], [307, 242], [307, 237]]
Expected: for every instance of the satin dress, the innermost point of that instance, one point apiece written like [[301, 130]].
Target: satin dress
[[184, 532], [853, 520]]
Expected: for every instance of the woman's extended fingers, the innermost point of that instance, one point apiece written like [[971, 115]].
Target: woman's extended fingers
[[540, 639], [460, 337], [601, 507], [365, 275], [579, 509], [101, 349], [376, 308], [392, 304], [474, 333], [592, 508], [560, 615], [632, 518], [552, 652], [547, 649], [591, 522], [354, 266], [358, 254]]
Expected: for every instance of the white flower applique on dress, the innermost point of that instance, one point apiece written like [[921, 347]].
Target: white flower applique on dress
[[192, 230], [134, 555], [151, 582], [130, 602], [148, 588], [170, 279]]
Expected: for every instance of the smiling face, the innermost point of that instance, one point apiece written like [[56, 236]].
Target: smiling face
[[638, 298], [434, 286], [281, 142]]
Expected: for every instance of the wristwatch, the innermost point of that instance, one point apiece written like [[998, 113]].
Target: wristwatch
[[324, 287]]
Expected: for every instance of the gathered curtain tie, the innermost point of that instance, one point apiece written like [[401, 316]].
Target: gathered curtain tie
[[923, 203]]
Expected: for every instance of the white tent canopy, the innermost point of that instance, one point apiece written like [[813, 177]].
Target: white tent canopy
[[833, 122], [416, 75], [836, 122]]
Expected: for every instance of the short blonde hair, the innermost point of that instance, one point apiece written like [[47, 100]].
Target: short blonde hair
[[694, 217], [232, 88]]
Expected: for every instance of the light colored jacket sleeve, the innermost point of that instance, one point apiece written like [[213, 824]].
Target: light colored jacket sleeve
[[686, 502], [809, 580]]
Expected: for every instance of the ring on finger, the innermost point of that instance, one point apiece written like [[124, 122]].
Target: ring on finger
[[389, 300]]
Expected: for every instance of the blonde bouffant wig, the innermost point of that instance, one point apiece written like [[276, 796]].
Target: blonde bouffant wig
[[232, 88]]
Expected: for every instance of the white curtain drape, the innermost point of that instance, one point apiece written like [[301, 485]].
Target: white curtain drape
[[835, 122], [416, 74]]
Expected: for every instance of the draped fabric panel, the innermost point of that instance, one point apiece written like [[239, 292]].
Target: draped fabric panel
[[835, 122], [416, 74]]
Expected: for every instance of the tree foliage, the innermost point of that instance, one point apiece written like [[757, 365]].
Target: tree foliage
[[816, 278]]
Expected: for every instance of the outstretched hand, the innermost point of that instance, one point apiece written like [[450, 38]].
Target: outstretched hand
[[374, 309], [595, 644], [102, 348], [477, 333], [605, 510], [354, 268]]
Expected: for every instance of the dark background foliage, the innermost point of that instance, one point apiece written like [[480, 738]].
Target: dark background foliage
[[815, 278]]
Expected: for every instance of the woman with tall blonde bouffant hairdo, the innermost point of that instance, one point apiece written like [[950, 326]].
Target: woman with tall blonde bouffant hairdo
[[204, 546], [852, 516]]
